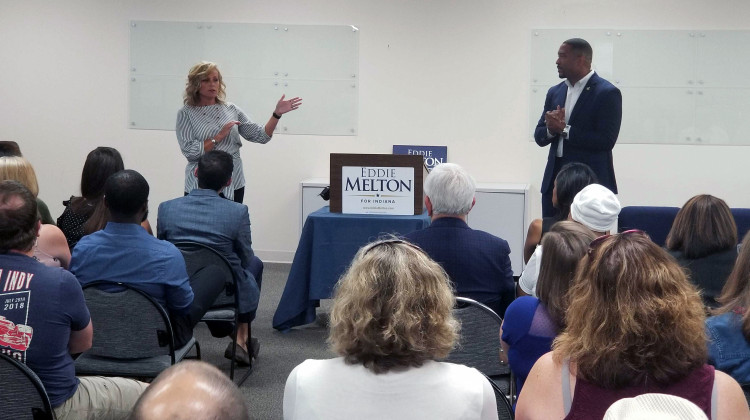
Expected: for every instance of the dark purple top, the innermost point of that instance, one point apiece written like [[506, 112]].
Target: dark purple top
[[591, 401]]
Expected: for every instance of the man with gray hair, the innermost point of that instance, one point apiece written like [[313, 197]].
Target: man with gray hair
[[478, 263], [191, 390]]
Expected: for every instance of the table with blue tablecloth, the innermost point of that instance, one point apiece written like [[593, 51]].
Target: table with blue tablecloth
[[326, 248]]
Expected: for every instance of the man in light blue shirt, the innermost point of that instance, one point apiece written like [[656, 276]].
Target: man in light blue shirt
[[124, 252]]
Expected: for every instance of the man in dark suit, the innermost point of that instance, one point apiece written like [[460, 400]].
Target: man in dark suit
[[205, 217], [581, 120], [477, 262]]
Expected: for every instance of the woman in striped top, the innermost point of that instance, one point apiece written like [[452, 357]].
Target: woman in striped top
[[207, 121]]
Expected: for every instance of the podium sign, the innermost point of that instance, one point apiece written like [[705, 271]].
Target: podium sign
[[376, 184], [377, 190]]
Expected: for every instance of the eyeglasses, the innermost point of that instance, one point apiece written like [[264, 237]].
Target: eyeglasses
[[598, 241], [391, 242]]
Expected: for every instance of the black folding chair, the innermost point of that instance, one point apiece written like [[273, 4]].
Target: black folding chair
[[139, 344], [22, 393], [504, 408], [224, 309], [479, 343]]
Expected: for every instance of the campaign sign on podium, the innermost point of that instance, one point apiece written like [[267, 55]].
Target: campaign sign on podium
[[376, 184]]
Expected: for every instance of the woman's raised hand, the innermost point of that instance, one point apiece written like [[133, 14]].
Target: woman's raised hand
[[284, 106]]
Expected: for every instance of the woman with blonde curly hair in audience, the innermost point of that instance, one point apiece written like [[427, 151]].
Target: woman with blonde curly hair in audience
[[391, 320], [703, 239], [729, 329], [50, 247], [634, 325]]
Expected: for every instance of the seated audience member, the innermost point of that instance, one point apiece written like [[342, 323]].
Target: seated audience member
[[51, 248], [48, 248], [51, 319], [595, 207], [729, 329], [531, 324], [194, 218], [124, 252], [634, 325], [191, 390], [9, 148], [478, 263], [87, 214], [569, 181], [392, 318], [19, 169], [703, 239]]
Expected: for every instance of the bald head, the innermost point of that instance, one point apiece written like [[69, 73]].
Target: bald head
[[191, 390]]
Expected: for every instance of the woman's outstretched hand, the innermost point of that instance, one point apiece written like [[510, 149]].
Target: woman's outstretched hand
[[284, 106]]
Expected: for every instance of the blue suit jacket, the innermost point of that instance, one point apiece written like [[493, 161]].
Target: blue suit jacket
[[202, 216], [594, 126], [478, 263]]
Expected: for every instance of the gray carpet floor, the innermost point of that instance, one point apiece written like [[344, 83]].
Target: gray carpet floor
[[279, 352]]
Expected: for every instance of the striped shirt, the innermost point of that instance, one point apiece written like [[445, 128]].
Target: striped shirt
[[198, 123]]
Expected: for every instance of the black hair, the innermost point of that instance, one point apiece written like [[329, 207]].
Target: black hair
[[125, 193], [17, 220], [582, 47], [10, 148], [214, 170], [571, 179], [100, 164]]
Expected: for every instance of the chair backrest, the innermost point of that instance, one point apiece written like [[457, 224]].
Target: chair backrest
[[479, 341], [504, 408], [128, 323], [197, 256], [23, 395], [742, 219], [746, 390], [657, 221]]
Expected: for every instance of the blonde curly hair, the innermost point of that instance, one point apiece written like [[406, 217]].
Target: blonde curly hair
[[393, 308], [196, 75], [632, 316]]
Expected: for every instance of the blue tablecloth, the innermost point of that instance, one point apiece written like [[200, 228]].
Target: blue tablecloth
[[326, 248]]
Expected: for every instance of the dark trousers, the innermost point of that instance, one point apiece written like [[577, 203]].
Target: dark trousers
[[256, 267], [548, 210], [207, 283]]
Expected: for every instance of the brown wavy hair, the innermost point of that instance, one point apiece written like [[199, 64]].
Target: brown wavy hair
[[196, 75], [563, 247], [393, 308], [736, 292], [703, 226], [633, 316]]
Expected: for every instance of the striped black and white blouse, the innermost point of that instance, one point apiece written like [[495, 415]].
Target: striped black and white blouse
[[198, 123]]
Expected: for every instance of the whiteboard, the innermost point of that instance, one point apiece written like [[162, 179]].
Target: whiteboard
[[678, 87], [259, 63]]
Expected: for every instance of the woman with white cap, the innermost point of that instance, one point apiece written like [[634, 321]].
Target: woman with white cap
[[595, 207]]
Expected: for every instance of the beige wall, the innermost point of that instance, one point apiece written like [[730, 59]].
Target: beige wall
[[431, 72]]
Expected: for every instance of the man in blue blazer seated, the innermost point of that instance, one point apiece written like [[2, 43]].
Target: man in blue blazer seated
[[580, 121], [478, 263], [205, 217]]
